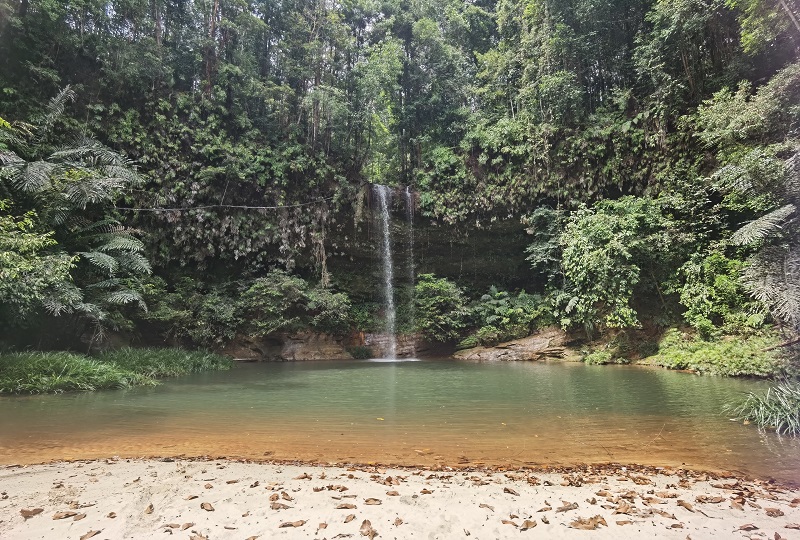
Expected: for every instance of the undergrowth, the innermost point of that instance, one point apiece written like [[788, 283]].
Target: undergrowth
[[728, 356]]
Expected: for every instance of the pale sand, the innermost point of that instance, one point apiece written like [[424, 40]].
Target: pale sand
[[413, 503]]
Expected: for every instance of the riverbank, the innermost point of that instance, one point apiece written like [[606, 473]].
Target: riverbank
[[222, 499]]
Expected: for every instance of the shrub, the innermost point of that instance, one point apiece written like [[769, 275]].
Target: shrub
[[441, 308], [501, 316], [714, 298], [598, 358]]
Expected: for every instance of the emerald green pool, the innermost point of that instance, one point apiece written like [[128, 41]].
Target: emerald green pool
[[432, 411]]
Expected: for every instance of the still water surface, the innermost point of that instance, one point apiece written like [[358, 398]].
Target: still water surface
[[432, 411]]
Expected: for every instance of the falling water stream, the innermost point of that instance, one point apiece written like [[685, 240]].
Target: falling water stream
[[411, 280], [384, 197]]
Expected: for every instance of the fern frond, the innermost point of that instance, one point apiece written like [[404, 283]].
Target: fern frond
[[105, 284], [123, 297], [34, 177], [126, 296], [120, 242], [91, 311], [102, 227], [62, 298], [135, 263], [763, 227], [103, 261]]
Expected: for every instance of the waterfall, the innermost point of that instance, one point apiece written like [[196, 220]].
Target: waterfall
[[384, 198], [411, 276]]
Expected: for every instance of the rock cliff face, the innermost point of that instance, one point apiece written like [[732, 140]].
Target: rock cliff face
[[307, 346], [408, 346], [548, 343], [303, 346]]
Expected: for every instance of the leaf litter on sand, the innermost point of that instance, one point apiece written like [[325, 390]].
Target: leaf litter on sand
[[27, 514], [64, 515], [588, 524], [367, 530], [567, 506]]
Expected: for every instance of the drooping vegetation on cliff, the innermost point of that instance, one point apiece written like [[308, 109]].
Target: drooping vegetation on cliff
[[650, 148]]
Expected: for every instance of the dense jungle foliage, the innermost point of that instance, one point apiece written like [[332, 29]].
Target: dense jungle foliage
[[195, 169]]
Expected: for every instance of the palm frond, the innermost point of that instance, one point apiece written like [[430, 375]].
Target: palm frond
[[763, 227], [126, 174], [772, 278], [793, 177], [55, 109], [92, 190], [91, 151], [10, 159]]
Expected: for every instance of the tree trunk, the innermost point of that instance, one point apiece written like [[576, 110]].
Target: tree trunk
[[210, 52], [791, 14]]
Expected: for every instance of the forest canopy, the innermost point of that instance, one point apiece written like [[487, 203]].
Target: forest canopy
[[650, 147]]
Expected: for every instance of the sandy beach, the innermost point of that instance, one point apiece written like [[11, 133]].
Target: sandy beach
[[221, 499]]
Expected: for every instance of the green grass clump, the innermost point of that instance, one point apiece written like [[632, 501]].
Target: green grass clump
[[728, 356], [158, 363], [778, 408], [56, 372]]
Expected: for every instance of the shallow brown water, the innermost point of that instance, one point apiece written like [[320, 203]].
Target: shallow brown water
[[409, 413]]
